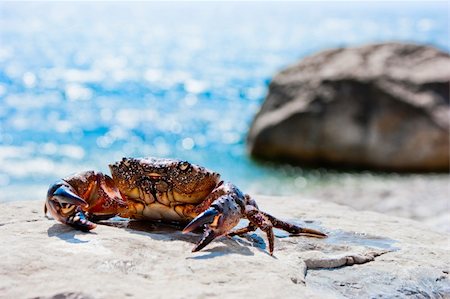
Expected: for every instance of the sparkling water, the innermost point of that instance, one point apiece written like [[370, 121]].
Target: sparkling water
[[82, 85]]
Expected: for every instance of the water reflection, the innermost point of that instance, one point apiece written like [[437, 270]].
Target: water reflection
[[90, 83]]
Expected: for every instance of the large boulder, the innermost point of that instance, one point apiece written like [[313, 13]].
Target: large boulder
[[382, 106], [367, 255]]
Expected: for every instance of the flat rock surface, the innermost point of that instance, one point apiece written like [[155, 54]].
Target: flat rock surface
[[425, 198], [367, 255]]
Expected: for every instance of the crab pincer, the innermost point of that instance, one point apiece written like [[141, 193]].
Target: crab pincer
[[80, 199], [223, 214], [66, 206]]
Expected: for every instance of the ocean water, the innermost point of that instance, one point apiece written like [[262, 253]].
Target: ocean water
[[82, 84]]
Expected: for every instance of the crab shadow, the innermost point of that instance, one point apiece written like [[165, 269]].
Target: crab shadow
[[161, 231], [67, 233], [171, 231]]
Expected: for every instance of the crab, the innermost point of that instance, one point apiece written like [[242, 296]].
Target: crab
[[165, 190]]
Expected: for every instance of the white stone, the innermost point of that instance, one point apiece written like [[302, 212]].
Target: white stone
[[372, 255]]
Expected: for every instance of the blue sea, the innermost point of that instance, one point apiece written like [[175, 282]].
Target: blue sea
[[84, 84]]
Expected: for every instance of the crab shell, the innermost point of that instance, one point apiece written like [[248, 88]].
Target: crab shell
[[162, 189]]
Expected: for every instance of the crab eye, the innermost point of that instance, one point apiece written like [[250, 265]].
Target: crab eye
[[184, 165]]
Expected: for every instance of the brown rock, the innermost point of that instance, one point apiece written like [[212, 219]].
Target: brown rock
[[383, 106]]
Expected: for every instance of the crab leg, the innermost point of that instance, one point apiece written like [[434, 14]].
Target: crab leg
[[239, 232], [294, 229], [256, 217]]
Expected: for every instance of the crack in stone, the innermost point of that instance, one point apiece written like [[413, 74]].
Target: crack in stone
[[329, 263], [341, 261]]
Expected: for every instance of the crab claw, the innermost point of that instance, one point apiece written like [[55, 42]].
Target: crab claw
[[80, 221], [207, 238], [214, 221], [210, 217], [65, 205], [80, 199], [205, 217], [64, 195], [223, 214]]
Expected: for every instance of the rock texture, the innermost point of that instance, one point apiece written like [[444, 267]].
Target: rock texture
[[383, 106], [367, 255], [421, 197]]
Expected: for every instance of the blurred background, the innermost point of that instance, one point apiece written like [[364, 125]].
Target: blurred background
[[84, 84]]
